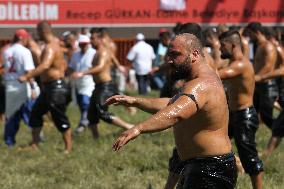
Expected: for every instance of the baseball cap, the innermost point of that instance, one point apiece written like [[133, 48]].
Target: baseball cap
[[163, 30], [140, 36], [84, 39], [22, 33], [65, 34]]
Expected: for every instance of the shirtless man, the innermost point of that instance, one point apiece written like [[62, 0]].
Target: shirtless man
[[196, 30], [175, 163], [108, 41], [111, 46], [211, 40], [271, 35], [278, 74], [244, 39], [265, 60], [53, 97], [243, 121], [198, 115], [104, 88], [120, 76], [171, 86]]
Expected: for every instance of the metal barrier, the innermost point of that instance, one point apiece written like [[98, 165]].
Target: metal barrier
[[123, 47]]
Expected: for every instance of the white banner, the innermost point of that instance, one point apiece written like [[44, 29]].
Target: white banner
[[172, 5]]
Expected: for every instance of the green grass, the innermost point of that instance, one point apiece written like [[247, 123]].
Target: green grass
[[142, 164]]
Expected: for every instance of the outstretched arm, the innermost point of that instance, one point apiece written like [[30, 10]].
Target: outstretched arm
[[98, 66], [276, 73], [150, 105], [118, 65], [95, 69], [182, 109]]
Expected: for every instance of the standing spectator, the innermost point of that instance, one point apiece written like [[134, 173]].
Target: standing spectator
[[141, 55], [2, 85], [84, 86], [158, 77], [17, 61], [71, 44], [85, 31]]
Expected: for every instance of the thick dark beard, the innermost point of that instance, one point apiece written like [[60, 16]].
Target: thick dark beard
[[68, 46], [180, 72]]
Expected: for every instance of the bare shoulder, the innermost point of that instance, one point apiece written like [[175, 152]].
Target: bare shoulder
[[204, 89], [279, 49], [104, 52], [49, 49], [101, 52], [113, 46], [201, 85], [269, 47], [56, 41], [240, 64]]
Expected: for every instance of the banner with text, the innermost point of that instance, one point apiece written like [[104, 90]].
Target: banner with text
[[137, 12]]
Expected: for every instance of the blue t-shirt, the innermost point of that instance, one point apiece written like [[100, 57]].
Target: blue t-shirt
[[161, 51]]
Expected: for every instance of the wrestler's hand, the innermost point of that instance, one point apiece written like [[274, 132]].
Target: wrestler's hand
[[23, 78], [154, 70], [257, 78], [122, 69], [76, 75], [125, 137], [121, 100]]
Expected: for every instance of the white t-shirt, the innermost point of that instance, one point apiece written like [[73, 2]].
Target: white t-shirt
[[17, 60], [141, 55], [82, 62]]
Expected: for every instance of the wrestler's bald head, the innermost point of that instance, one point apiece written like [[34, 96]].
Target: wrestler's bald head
[[44, 26], [44, 29], [190, 42], [184, 51]]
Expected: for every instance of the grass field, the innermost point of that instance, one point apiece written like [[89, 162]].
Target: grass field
[[142, 164]]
